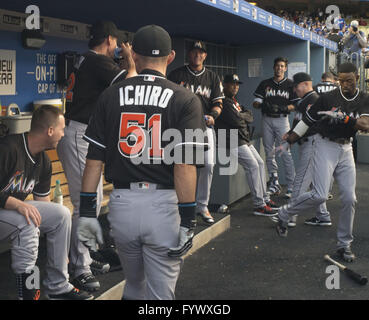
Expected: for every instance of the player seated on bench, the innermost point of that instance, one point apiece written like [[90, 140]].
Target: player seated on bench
[[25, 168]]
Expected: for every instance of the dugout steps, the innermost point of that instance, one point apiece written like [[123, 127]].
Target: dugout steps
[[203, 237]]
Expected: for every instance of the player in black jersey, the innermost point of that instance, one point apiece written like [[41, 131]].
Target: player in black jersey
[[207, 86], [131, 120], [95, 71], [304, 90], [326, 84], [24, 169], [337, 115], [275, 97], [234, 116]]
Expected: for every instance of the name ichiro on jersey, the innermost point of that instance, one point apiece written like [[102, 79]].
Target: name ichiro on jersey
[[145, 95]]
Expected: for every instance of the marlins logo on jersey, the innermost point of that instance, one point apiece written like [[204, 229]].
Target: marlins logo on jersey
[[26, 174], [18, 183], [279, 93], [271, 92], [205, 84], [199, 90]]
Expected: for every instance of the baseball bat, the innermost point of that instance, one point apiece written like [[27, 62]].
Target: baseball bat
[[350, 273]]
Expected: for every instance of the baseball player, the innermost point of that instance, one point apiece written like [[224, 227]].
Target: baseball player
[[131, 120], [326, 84], [275, 98], [24, 169], [304, 90], [341, 112], [95, 71], [207, 86], [234, 116]]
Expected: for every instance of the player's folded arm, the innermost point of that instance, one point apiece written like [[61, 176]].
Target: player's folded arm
[[234, 118]]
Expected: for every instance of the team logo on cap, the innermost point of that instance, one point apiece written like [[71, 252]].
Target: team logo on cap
[[198, 45], [155, 52], [235, 78]]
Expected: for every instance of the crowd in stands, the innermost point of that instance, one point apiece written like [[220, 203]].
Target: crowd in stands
[[316, 21], [341, 32]]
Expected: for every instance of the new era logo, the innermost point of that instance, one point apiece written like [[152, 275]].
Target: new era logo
[[144, 185], [156, 52], [149, 78]]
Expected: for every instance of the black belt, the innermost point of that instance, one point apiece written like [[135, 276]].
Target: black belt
[[338, 140], [127, 185], [276, 115]]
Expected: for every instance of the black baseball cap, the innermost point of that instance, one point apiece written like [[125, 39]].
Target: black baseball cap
[[198, 45], [101, 30], [152, 41], [301, 77], [232, 78]]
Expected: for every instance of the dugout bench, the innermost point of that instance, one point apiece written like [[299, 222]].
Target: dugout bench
[[58, 174]]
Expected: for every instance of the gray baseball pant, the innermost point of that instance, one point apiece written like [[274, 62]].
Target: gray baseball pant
[[254, 168], [273, 130], [145, 223], [330, 159], [72, 151], [24, 238], [304, 176], [205, 174]]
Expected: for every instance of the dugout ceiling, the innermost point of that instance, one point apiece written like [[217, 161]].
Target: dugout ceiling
[[182, 18]]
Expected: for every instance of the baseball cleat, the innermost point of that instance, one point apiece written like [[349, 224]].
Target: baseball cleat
[[24, 293], [272, 205], [282, 228], [206, 216], [265, 211], [274, 189], [290, 224], [74, 294], [86, 282], [98, 267], [346, 254], [107, 255], [316, 222]]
